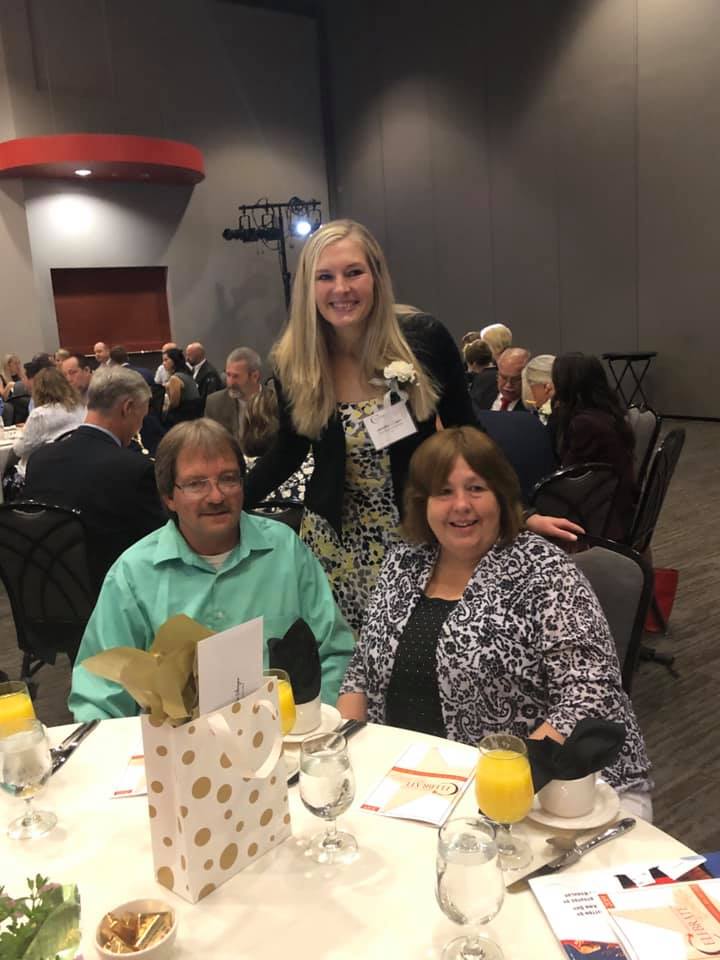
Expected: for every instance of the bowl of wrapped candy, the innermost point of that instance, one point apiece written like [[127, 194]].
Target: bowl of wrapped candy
[[140, 928]]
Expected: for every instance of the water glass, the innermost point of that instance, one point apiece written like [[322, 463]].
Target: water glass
[[469, 884], [25, 766], [327, 788]]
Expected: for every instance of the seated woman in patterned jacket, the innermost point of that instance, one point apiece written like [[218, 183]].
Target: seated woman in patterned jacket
[[478, 626]]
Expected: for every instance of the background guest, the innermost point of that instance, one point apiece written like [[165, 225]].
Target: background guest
[[498, 337], [592, 427], [161, 374], [92, 469], [15, 404], [119, 357], [57, 408], [183, 396], [78, 370], [505, 393], [203, 372], [61, 354], [537, 385], [242, 370], [477, 626], [478, 356], [102, 353]]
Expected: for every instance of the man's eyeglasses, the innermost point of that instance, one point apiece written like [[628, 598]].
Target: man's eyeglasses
[[505, 379], [200, 486]]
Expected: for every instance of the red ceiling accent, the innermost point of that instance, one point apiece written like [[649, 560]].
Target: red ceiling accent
[[110, 157]]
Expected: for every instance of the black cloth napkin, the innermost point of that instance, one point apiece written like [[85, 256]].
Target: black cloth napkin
[[297, 654], [593, 745]]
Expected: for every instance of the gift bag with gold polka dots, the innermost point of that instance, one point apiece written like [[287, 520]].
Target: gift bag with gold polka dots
[[217, 792]]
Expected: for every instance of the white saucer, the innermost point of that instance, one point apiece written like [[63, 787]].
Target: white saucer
[[607, 804], [329, 721]]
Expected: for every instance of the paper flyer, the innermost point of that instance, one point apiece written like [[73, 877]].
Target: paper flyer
[[424, 783], [576, 905], [677, 921]]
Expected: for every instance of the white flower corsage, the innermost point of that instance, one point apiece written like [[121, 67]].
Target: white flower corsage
[[399, 371]]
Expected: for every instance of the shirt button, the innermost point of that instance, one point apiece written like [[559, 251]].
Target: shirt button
[[218, 615]]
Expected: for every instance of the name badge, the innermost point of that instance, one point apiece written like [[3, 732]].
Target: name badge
[[389, 424]]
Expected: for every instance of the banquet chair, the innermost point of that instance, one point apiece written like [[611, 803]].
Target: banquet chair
[[648, 511], [645, 426], [44, 569], [623, 583], [583, 493], [287, 511]]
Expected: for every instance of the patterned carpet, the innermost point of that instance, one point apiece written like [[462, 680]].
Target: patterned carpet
[[676, 715]]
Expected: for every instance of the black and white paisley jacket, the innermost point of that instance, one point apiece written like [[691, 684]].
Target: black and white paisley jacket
[[527, 642]]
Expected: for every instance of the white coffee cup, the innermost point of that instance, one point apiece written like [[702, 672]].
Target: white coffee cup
[[307, 716], [569, 798]]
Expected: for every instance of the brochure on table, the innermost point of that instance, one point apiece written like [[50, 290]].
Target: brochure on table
[[424, 783], [579, 907]]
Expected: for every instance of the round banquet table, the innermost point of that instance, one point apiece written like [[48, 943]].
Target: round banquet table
[[283, 905]]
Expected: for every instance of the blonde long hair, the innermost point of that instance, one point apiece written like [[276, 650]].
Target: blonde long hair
[[302, 355]]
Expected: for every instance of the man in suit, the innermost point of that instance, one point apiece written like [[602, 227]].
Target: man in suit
[[505, 393], [77, 370], [92, 470], [243, 370], [102, 354], [119, 358], [203, 373]]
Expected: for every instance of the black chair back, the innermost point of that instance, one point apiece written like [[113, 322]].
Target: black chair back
[[286, 511], [44, 568], [653, 496], [583, 493], [645, 426], [623, 583]]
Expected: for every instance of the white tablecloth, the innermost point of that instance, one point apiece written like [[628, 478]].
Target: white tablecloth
[[380, 907]]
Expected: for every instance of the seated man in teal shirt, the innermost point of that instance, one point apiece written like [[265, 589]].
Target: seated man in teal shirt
[[212, 562]]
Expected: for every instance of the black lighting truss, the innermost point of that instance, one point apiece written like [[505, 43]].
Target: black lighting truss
[[269, 223]]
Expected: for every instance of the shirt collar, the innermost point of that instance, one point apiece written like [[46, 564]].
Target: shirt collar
[[95, 426], [171, 545]]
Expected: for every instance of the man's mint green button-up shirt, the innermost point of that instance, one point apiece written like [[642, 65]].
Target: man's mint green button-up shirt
[[269, 574]]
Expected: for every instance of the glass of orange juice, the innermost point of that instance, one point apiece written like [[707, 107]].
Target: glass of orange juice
[[286, 700], [15, 706], [504, 790]]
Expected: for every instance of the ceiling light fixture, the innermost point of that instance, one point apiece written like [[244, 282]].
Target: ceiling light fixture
[[83, 173]]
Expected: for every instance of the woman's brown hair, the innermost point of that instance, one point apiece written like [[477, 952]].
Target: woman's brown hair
[[50, 386], [432, 464]]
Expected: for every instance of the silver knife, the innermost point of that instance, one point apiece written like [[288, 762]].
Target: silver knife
[[61, 753], [572, 856]]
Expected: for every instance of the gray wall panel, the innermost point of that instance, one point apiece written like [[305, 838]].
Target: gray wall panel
[[571, 183], [679, 153]]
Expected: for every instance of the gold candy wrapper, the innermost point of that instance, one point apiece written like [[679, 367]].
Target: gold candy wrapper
[[131, 932]]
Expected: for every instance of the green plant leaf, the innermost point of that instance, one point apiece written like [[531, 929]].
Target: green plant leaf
[[61, 929]]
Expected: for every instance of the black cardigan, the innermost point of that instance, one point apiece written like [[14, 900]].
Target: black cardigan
[[436, 351]]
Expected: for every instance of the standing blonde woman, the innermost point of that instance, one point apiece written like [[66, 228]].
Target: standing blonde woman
[[334, 362], [343, 333]]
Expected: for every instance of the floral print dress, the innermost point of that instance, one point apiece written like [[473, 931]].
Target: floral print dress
[[370, 519]]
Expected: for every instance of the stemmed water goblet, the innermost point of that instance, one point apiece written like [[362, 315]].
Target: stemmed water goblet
[[25, 766], [504, 791], [469, 884], [327, 788]]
